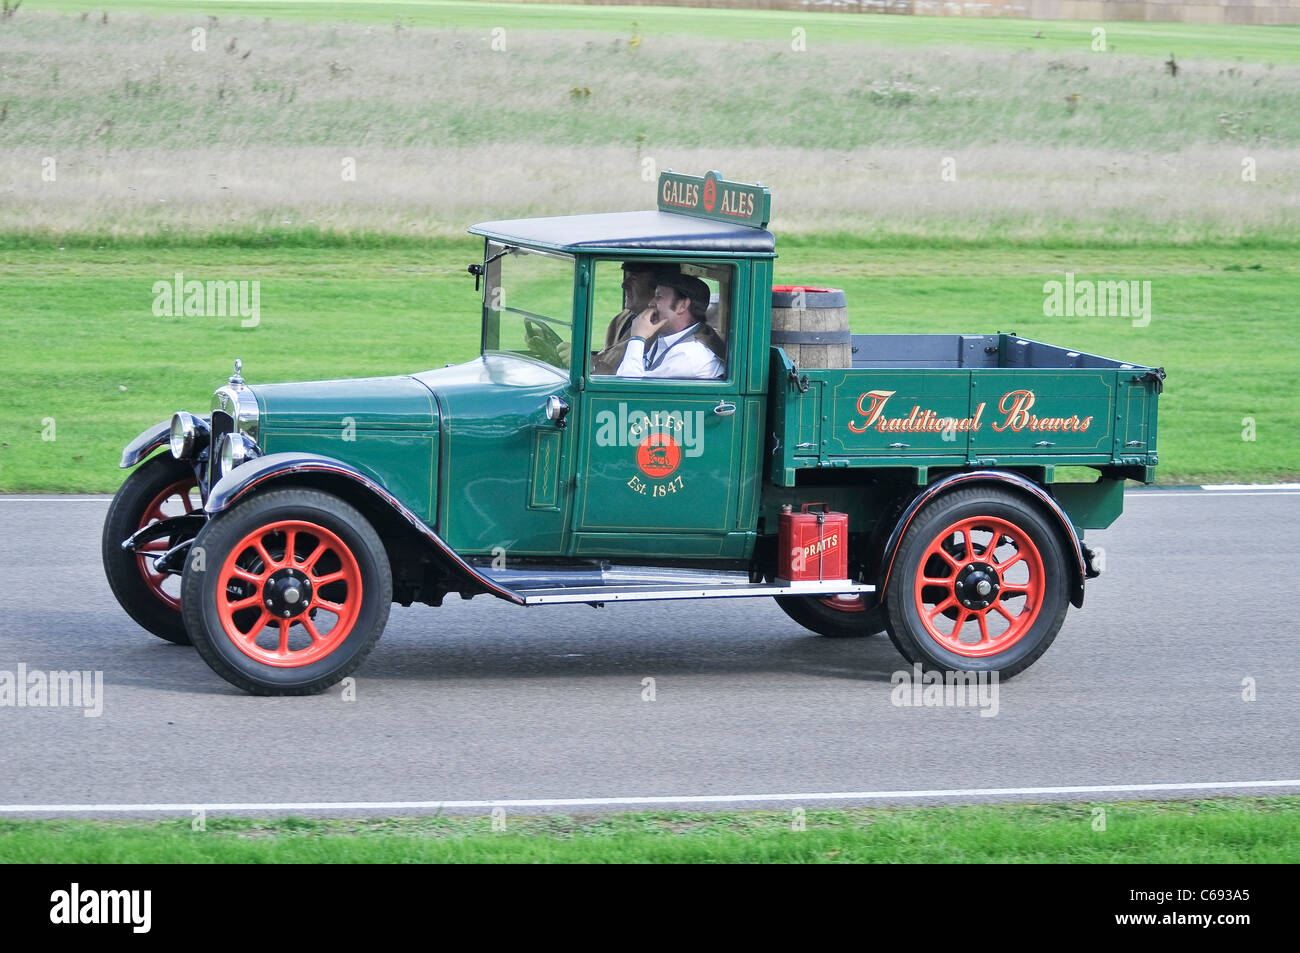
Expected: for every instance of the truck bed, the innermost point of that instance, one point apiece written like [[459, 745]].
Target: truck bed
[[958, 400]]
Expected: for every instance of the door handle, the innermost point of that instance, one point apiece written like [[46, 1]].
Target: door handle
[[724, 409]]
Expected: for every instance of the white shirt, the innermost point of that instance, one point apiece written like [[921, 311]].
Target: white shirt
[[671, 357]]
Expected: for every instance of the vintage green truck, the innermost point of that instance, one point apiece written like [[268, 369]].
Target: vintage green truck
[[275, 532]]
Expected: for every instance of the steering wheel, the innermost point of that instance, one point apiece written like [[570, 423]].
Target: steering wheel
[[544, 342]]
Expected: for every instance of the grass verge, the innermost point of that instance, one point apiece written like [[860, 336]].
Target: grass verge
[[1250, 43], [90, 365], [1227, 831]]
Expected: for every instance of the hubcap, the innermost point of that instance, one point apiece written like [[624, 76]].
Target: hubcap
[[977, 585], [287, 593]]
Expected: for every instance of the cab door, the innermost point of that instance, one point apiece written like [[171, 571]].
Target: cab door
[[663, 466], [659, 468]]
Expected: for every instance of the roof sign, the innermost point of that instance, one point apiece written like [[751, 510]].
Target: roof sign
[[711, 196]]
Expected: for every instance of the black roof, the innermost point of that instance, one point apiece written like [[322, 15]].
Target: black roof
[[652, 231]]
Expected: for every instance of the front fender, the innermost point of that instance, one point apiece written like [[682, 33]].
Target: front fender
[[145, 444], [150, 440], [1067, 532], [276, 466]]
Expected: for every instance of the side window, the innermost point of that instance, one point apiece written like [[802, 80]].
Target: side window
[[687, 332]]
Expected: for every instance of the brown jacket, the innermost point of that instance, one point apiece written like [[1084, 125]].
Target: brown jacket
[[616, 335]]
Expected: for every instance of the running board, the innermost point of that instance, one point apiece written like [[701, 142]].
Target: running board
[[599, 594]]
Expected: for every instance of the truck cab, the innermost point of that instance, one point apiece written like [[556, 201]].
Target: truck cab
[[642, 467]]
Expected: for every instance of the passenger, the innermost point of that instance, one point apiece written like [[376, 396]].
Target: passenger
[[638, 288], [684, 345]]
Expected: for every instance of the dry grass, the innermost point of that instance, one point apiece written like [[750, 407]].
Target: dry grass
[[1013, 192], [149, 135]]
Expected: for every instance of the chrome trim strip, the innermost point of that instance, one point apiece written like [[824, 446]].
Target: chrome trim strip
[[542, 597]]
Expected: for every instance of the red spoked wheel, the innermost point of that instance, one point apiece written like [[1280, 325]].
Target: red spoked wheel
[[298, 592], [979, 583], [980, 587], [836, 617], [844, 603], [159, 488], [289, 575], [178, 499]]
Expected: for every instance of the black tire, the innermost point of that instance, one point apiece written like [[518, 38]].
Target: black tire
[[815, 614], [257, 652], [139, 591], [1024, 535]]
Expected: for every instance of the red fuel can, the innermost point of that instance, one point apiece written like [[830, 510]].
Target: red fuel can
[[812, 546]]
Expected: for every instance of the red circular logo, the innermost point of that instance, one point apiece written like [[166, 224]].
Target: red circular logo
[[710, 194], [658, 456]]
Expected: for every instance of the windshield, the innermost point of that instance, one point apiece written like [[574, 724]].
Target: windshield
[[528, 304]]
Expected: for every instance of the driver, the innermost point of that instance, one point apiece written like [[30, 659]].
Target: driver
[[684, 345]]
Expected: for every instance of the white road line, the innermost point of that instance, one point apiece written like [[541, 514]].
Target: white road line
[[1217, 487], [632, 801], [55, 499], [1196, 495]]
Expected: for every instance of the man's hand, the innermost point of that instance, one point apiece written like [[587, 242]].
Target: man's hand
[[646, 324]]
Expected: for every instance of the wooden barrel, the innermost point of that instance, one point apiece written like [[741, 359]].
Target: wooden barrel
[[812, 326]]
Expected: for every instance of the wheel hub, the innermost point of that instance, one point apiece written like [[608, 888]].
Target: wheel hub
[[286, 593], [977, 585]]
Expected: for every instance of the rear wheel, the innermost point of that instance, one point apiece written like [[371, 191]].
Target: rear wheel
[[293, 591], [836, 617], [159, 488], [980, 583]]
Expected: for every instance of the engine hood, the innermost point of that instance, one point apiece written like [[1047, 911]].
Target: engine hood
[[368, 403]]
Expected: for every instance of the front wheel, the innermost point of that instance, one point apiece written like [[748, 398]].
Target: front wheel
[[290, 594], [980, 583], [159, 488]]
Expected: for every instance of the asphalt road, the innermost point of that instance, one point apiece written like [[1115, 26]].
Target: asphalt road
[[481, 702]]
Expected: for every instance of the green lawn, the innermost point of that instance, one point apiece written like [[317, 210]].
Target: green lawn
[[1226, 831], [85, 351], [1247, 43]]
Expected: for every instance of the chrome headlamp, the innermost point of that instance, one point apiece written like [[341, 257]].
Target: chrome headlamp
[[237, 449], [188, 435]]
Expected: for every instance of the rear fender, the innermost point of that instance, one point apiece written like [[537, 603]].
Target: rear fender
[[1065, 530]]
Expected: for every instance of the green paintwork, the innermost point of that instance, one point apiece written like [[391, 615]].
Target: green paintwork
[[493, 411], [1091, 505], [386, 427], [470, 450]]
